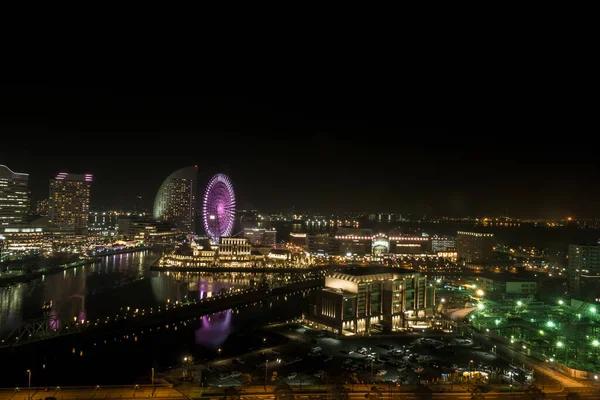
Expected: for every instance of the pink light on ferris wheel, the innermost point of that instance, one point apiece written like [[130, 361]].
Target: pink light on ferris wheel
[[218, 209]]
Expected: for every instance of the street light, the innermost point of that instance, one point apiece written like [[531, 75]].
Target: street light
[[266, 373], [560, 302], [550, 324], [29, 384], [519, 303]]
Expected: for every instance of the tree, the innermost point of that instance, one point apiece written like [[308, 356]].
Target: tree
[[231, 394], [339, 392], [283, 391], [424, 392], [374, 393], [354, 379], [246, 379], [534, 393], [476, 393]]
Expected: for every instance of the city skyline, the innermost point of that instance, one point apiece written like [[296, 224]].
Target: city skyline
[[334, 154]]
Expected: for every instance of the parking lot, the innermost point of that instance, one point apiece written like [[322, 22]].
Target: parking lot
[[312, 357]]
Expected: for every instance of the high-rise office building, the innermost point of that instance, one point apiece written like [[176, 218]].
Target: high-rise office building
[[41, 207], [176, 199], [473, 247], [14, 196], [584, 271], [69, 201]]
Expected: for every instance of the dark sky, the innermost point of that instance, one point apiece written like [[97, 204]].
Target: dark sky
[[315, 148]]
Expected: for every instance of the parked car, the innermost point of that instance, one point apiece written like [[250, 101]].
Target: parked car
[[293, 375], [382, 372], [387, 346], [235, 374], [224, 376]]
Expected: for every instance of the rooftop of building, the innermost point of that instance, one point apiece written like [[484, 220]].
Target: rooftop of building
[[523, 276], [339, 291], [359, 270], [358, 274], [279, 251]]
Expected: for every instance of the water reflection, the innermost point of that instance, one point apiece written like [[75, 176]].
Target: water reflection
[[214, 330], [101, 290]]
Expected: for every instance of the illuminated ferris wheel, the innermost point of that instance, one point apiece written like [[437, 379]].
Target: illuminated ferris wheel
[[218, 210]]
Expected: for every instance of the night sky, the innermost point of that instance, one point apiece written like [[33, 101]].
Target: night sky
[[304, 147]]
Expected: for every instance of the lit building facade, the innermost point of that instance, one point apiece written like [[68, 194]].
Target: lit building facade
[[409, 244], [507, 284], [324, 245], [442, 243], [175, 201], [584, 271], [359, 302], [14, 197], [69, 200], [474, 247], [354, 241], [41, 208], [235, 251], [260, 237], [24, 241], [298, 239]]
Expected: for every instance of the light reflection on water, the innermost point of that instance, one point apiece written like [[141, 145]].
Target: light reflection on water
[[100, 290], [214, 330]]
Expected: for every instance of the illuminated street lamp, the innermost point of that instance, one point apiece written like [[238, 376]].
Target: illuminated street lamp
[[29, 384], [550, 324], [595, 343], [480, 292], [559, 344], [480, 306], [593, 309], [519, 303], [560, 302]]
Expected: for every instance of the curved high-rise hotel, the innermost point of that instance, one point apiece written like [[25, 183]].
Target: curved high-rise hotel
[[175, 201]]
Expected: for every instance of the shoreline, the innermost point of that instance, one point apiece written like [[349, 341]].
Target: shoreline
[[155, 267], [12, 279]]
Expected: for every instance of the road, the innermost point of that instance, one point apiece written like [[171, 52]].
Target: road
[[252, 392], [112, 392]]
